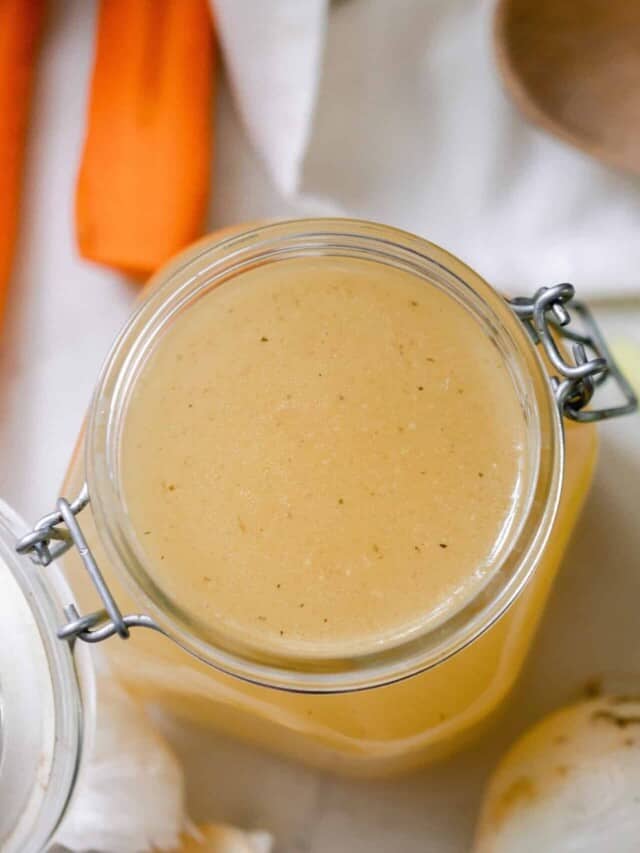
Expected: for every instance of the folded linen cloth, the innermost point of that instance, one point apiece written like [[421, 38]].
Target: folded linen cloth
[[395, 112]]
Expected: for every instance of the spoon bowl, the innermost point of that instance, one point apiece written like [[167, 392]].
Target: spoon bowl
[[573, 68]]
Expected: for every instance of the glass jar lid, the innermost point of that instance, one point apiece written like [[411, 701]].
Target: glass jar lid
[[41, 708]]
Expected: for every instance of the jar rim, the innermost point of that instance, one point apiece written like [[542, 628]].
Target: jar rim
[[174, 288]]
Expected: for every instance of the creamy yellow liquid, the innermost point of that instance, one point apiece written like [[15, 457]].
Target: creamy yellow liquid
[[322, 453]]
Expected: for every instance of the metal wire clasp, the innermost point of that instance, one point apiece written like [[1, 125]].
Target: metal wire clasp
[[54, 534], [547, 319]]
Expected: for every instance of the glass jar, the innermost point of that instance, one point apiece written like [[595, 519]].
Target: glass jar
[[46, 699], [385, 704]]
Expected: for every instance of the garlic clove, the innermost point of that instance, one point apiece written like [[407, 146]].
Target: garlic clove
[[112, 809], [218, 838], [571, 784]]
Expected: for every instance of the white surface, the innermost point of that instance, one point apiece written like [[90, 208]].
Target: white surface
[[63, 313]]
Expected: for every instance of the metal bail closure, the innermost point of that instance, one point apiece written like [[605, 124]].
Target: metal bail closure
[[52, 536], [547, 320]]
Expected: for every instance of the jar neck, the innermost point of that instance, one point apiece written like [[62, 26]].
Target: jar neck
[[208, 266]]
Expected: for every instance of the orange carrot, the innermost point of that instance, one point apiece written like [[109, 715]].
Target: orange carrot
[[20, 24], [144, 178]]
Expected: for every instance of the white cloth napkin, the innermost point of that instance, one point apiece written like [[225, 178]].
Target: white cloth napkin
[[273, 52], [409, 124]]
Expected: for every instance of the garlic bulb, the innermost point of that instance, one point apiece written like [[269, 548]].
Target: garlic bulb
[[571, 784], [130, 796]]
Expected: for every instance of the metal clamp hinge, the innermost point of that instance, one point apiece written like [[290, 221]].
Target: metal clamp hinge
[[56, 533], [546, 318]]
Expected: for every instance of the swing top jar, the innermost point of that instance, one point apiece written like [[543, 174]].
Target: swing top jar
[[329, 463]]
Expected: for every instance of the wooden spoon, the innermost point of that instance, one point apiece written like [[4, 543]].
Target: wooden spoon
[[573, 67]]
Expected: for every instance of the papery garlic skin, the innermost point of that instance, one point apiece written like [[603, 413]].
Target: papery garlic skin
[[130, 794], [571, 784], [130, 797]]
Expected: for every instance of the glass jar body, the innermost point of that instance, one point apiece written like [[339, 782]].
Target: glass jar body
[[376, 731], [383, 730]]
